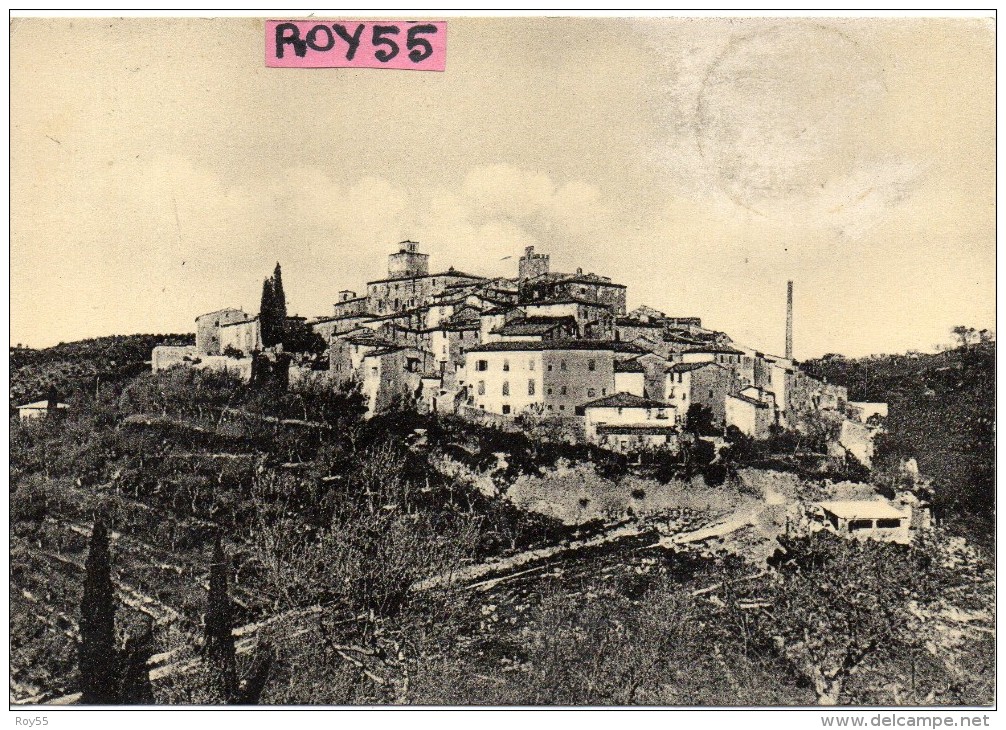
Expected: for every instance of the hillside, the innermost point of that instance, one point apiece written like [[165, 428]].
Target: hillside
[[942, 413], [71, 366], [420, 560]]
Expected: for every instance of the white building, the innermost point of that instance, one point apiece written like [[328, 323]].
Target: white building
[[876, 519], [40, 409], [625, 422]]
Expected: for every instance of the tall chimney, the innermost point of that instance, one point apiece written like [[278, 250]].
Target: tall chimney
[[789, 320]]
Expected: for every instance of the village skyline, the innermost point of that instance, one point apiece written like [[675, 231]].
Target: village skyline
[[158, 167]]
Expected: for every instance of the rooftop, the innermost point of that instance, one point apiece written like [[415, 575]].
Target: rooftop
[[632, 322], [563, 300], [629, 366], [220, 311], [448, 273], [589, 279], [243, 321], [597, 345], [687, 367], [533, 326], [863, 509], [633, 430], [717, 349], [750, 401], [41, 405], [625, 400]]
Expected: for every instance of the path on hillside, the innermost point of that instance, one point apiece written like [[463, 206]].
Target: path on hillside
[[482, 577]]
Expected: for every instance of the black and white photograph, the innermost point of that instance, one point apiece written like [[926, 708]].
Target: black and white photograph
[[444, 360]]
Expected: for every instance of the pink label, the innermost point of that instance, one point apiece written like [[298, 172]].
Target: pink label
[[417, 46]]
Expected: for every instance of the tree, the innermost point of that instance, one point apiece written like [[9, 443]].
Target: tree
[[136, 687], [699, 420], [218, 649], [272, 311], [837, 607], [97, 655], [266, 316], [964, 334], [278, 294], [301, 337]]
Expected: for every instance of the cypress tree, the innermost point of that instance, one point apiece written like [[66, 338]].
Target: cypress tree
[[219, 650], [266, 313], [279, 296], [136, 687], [259, 675], [98, 659]]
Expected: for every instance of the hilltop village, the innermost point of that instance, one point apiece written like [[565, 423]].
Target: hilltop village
[[541, 345]]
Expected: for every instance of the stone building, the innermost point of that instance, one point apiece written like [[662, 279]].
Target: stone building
[[549, 377], [752, 411], [244, 336], [409, 284], [208, 329], [630, 377], [349, 304], [699, 383], [532, 265], [628, 423]]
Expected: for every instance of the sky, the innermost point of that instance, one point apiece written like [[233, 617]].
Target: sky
[[159, 170]]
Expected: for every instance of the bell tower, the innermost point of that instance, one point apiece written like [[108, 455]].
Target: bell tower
[[408, 262]]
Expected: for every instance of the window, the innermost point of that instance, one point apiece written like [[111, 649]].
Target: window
[[482, 365], [563, 390], [506, 387], [590, 365], [562, 408], [482, 387], [506, 366], [549, 391], [530, 364], [550, 367], [684, 396], [604, 391], [591, 392], [530, 387], [562, 365], [710, 392], [860, 525], [891, 523], [506, 410], [373, 371]]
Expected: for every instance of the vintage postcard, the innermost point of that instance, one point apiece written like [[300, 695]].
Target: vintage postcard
[[503, 361]]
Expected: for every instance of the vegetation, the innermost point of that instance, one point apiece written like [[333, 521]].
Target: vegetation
[[942, 414], [345, 547], [98, 656], [272, 310], [218, 647], [72, 367]]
